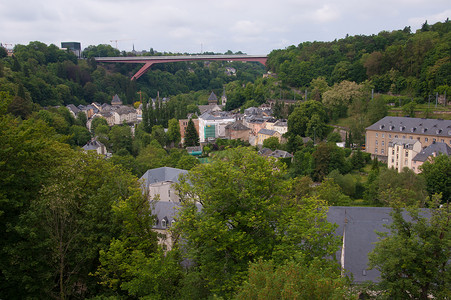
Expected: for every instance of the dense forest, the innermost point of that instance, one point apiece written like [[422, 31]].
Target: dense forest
[[399, 62]]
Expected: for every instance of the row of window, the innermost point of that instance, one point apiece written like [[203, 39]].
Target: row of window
[[410, 137]]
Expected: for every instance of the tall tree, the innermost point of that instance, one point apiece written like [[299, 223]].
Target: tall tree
[[191, 136], [173, 132]]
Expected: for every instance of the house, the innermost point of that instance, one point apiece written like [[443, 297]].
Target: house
[[264, 134], [401, 152], [270, 123], [426, 131], [281, 126], [255, 124], [73, 110], [158, 183], [237, 131], [429, 152], [95, 145], [125, 114]]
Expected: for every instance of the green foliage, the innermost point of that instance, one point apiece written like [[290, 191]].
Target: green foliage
[[319, 279], [413, 257], [308, 119], [191, 136], [247, 213], [437, 174], [173, 133], [272, 143]]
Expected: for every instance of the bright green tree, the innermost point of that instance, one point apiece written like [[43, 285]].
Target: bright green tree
[[319, 279], [247, 213], [173, 133]]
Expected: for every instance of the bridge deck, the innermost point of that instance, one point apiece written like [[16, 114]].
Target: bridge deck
[[148, 61]]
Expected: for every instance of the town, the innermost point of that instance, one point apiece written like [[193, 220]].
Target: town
[[320, 171]]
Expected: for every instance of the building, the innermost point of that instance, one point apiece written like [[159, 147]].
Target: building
[[95, 145], [212, 125], [212, 100], [264, 134], [401, 152], [426, 131], [429, 152], [237, 131], [281, 126], [159, 184], [75, 47]]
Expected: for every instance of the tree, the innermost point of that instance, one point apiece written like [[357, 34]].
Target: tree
[[247, 213], [173, 133], [318, 280], [191, 136], [307, 118], [271, 143], [437, 174], [413, 257], [159, 135]]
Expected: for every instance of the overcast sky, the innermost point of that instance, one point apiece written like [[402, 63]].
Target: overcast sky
[[251, 26]]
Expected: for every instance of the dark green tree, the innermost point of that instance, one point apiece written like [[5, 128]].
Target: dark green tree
[[437, 174], [191, 136]]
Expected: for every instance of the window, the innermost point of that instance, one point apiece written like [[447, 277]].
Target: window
[[377, 134], [433, 140], [382, 151], [411, 137], [383, 135], [393, 152], [392, 160], [407, 153], [396, 136], [163, 223], [442, 140], [169, 193], [405, 162], [425, 139], [389, 136], [376, 143], [403, 136], [383, 143], [375, 150], [418, 138]]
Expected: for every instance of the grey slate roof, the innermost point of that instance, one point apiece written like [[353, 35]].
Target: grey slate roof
[[237, 126], [407, 143], [267, 131], [116, 100], [281, 154], [437, 127], [435, 147], [212, 97], [73, 108], [265, 152], [92, 145], [160, 175]]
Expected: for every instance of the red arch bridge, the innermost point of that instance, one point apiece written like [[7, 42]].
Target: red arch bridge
[[148, 61]]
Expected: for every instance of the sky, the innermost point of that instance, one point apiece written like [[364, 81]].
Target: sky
[[193, 26]]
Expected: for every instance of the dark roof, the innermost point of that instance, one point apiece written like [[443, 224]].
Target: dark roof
[[160, 175], [280, 154], [73, 108], [212, 97], [431, 149], [92, 145], [237, 126], [267, 131], [116, 100], [265, 152], [436, 127]]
